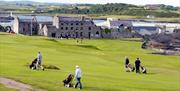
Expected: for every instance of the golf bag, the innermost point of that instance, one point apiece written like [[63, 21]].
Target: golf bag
[[33, 64], [68, 81], [144, 71], [130, 68]]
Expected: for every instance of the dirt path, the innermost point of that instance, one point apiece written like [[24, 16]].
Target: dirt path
[[9, 83]]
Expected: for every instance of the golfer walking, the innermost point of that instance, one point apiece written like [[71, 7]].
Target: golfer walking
[[39, 61], [137, 65], [78, 75]]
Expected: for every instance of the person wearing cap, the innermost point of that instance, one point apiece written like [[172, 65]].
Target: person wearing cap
[[137, 65], [78, 76]]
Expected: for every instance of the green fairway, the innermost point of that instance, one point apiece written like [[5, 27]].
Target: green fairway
[[101, 61]]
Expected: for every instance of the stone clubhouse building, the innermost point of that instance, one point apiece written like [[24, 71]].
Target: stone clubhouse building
[[57, 26], [30, 25], [71, 27]]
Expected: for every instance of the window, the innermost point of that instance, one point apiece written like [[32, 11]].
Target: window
[[62, 28], [33, 29], [76, 34], [81, 34], [29, 25], [69, 34], [81, 23], [76, 28], [62, 23], [61, 35], [23, 29], [97, 33], [71, 28], [81, 28], [89, 28], [53, 35], [77, 23], [89, 35], [66, 28], [71, 23]]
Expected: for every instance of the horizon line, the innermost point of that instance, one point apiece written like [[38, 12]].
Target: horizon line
[[44, 1]]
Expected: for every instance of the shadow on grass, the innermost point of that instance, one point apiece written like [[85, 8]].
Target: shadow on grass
[[82, 46], [151, 73], [52, 40], [51, 67], [47, 66], [100, 89], [89, 47]]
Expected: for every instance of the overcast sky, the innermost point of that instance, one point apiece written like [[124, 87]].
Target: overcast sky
[[137, 2]]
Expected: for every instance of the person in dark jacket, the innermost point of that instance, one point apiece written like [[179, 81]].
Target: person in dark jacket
[[137, 65], [126, 62]]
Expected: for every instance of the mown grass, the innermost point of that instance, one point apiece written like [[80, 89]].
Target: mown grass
[[101, 61]]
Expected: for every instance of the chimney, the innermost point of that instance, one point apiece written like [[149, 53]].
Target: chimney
[[11, 14], [56, 21], [83, 18]]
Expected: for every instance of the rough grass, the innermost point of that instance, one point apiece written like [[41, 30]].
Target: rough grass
[[53, 67], [103, 69]]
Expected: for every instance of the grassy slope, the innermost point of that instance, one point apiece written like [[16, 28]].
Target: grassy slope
[[100, 60]]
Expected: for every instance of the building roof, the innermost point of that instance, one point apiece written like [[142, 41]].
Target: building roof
[[148, 28], [84, 23], [100, 23], [25, 18], [145, 29], [146, 24], [117, 23], [44, 18], [39, 19], [6, 19], [64, 18], [69, 20], [178, 22], [50, 26]]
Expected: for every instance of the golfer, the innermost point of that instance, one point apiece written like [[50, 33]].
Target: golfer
[[78, 75]]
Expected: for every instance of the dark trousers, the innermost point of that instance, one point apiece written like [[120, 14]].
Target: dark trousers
[[78, 82], [137, 69]]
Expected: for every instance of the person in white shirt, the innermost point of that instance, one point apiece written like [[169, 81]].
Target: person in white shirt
[[78, 75]]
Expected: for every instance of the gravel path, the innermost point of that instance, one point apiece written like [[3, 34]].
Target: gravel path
[[9, 83]]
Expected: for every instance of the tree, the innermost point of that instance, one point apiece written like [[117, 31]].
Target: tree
[[107, 30]]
